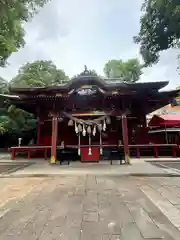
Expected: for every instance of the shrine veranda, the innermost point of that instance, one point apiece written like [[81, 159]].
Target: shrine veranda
[[90, 116]]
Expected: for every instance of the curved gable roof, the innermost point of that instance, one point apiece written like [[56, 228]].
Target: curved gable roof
[[105, 84]]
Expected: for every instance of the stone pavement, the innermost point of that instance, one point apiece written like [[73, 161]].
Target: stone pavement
[[138, 167], [90, 207]]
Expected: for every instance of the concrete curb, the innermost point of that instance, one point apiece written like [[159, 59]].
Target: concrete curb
[[107, 175]]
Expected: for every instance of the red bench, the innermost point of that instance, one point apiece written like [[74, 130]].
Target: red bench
[[28, 150], [155, 148]]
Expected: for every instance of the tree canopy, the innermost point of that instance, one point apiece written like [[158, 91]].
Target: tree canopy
[[128, 71], [15, 121], [159, 28], [14, 13], [3, 86], [35, 74], [39, 74], [12, 119]]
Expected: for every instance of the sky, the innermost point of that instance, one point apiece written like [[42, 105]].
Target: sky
[[77, 33]]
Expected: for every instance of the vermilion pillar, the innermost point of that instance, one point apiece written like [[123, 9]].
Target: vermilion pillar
[[54, 139], [125, 138]]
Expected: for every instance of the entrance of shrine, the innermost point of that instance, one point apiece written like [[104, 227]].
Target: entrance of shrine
[[93, 138]]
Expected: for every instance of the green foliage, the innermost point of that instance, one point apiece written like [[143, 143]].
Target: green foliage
[[129, 71], [5, 124], [159, 28], [15, 121], [38, 74], [13, 14], [22, 121], [3, 86]]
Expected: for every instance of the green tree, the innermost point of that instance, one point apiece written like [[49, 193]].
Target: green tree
[[12, 119], [39, 74], [128, 71], [3, 86], [13, 14], [159, 28], [15, 121]]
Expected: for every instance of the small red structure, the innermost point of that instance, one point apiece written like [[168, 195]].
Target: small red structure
[[169, 120], [90, 115], [165, 129]]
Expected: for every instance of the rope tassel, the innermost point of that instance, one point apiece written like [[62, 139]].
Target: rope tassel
[[100, 140], [76, 128], [84, 131], [79, 144], [79, 128], [94, 131], [70, 123], [90, 150], [104, 126]]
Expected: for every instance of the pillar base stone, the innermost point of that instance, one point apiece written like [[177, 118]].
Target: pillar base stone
[[127, 159], [52, 160]]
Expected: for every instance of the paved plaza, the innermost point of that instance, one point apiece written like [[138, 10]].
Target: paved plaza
[[41, 168], [90, 207]]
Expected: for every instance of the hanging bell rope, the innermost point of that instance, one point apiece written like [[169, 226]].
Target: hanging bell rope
[[90, 150], [100, 142], [79, 144]]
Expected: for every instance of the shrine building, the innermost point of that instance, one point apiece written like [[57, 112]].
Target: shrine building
[[90, 116]]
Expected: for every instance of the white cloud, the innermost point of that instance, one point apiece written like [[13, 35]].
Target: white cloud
[[165, 70], [75, 33]]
